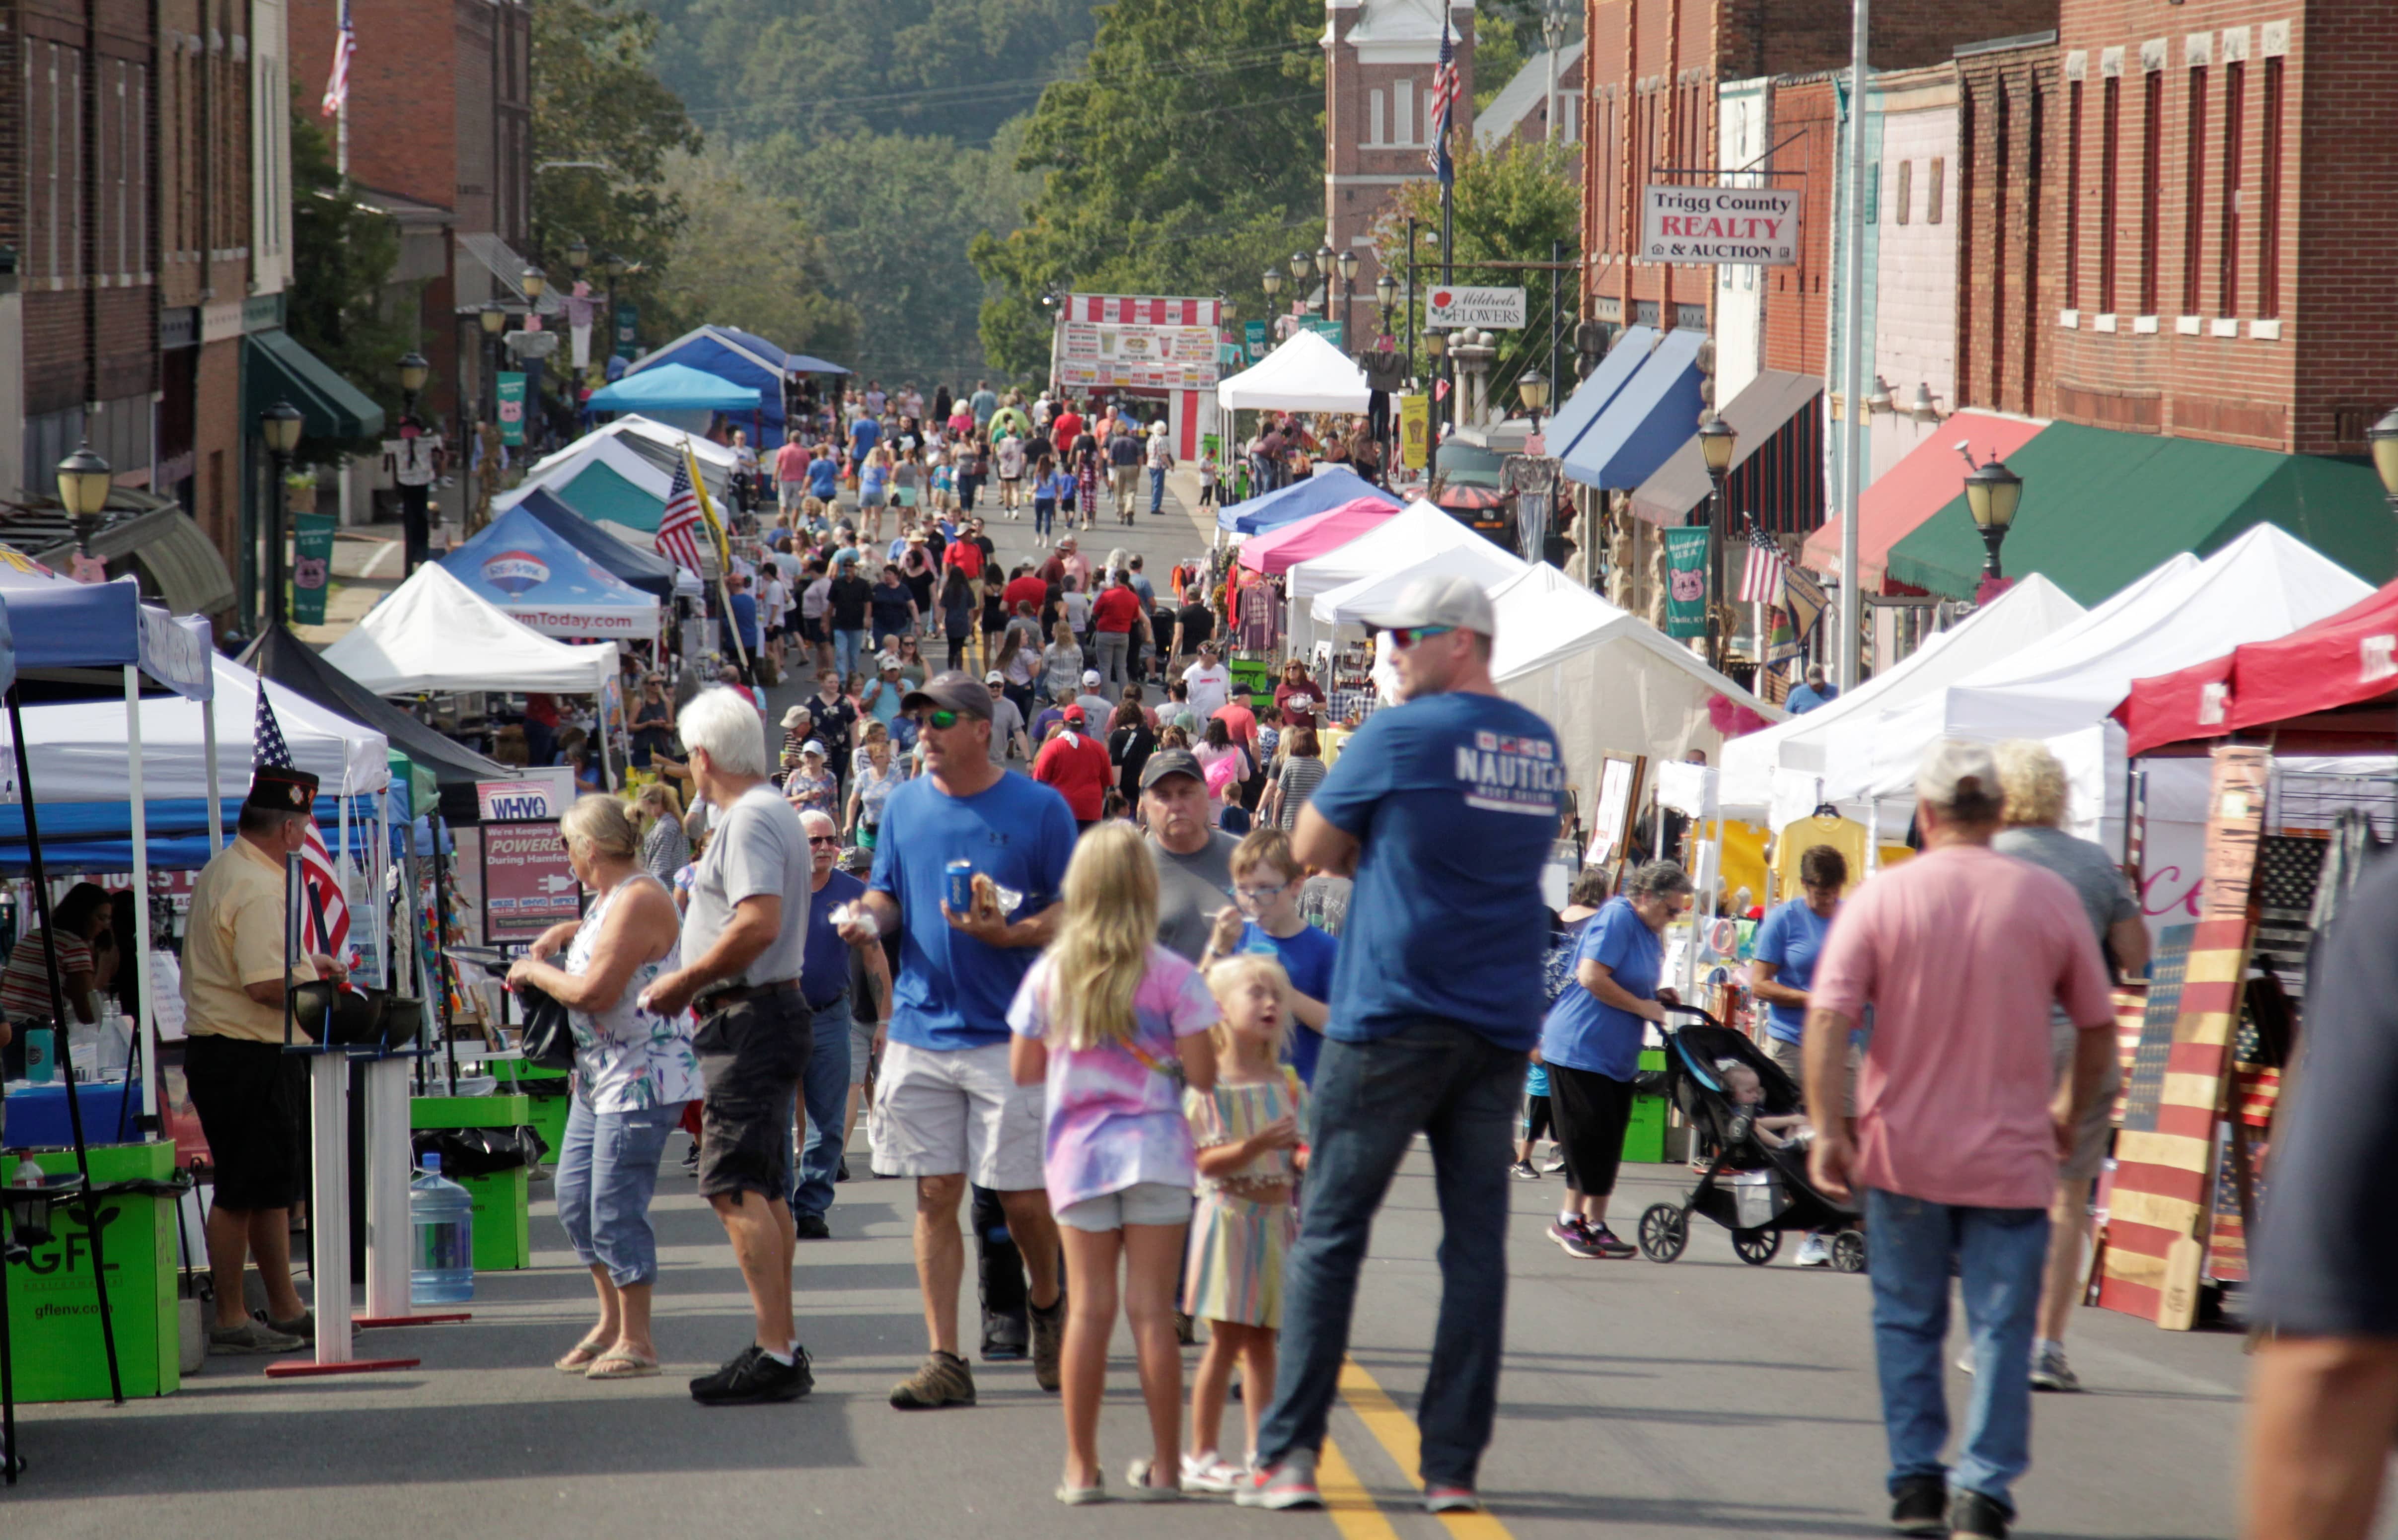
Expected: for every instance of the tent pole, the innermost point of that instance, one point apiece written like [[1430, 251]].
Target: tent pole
[[209, 747], [146, 1023], [441, 952], [59, 1015]]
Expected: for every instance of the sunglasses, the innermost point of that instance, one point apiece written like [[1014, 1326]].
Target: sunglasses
[[1407, 635], [832, 839], [941, 718]]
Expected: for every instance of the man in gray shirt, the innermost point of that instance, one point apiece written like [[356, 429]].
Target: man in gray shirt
[[744, 940], [1006, 723], [2036, 793], [1194, 872]]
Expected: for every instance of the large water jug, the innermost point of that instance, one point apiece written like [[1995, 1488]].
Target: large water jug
[[443, 1213]]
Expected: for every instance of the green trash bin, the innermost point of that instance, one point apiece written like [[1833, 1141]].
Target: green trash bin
[[503, 1198], [1644, 1136], [547, 1089], [53, 1309]]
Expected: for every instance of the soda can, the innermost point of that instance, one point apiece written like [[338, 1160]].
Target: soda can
[[961, 875]]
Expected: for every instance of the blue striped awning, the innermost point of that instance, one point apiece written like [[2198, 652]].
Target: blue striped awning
[[1591, 398], [1655, 414]]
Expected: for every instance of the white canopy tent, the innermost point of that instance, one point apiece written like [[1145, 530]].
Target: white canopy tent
[[1305, 374], [1485, 563], [579, 456], [432, 633], [1785, 764], [2264, 584], [1606, 680], [715, 461], [1413, 535]]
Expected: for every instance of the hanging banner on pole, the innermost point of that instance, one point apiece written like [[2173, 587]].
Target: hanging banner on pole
[[1415, 430], [1745, 225], [628, 321], [1686, 583], [512, 406], [1253, 336], [311, 566]]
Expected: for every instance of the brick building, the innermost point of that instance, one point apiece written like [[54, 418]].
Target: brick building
[[1379, 58]]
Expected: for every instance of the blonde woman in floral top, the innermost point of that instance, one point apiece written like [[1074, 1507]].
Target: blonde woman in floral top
[[633, 1071]]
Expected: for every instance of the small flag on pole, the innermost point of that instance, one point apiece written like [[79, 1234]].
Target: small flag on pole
[[337, 87], [325, 922], [1443, 102], [1760, 575], [679, 525]]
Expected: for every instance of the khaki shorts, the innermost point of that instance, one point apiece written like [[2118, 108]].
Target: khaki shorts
[[947, 1113], [2089, 1136], [1793, 1064]]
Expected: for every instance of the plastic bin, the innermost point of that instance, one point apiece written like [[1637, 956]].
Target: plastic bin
[[503, 1198], [1644, 1136], [548, 1092], [53, 1310]]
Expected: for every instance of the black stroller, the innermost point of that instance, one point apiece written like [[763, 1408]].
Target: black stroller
[[1754, 1191]]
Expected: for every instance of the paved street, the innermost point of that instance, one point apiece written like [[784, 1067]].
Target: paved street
[[1699, 1399]]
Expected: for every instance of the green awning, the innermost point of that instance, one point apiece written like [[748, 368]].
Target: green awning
[[603, 497], [276, 367], [2101, 507]]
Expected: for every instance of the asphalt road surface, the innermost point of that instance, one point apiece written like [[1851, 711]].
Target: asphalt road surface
[[1704, 1399]]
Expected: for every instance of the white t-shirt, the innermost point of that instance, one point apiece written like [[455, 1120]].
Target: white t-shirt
[[775, 599], [815, 598], [1011, 458], [1210, 688], [1078, 611]]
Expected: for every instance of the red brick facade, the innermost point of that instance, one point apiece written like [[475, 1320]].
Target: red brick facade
[[1379, 58], [2239, 291], [2010, 209]]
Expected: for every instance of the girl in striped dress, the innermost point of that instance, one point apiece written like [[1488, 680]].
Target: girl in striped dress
[[1247, 1132]]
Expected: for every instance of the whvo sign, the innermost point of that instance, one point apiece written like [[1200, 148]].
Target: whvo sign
[[1720, 224], [1499, 309]]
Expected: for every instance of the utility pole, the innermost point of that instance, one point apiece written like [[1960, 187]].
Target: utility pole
[[1853, 390]]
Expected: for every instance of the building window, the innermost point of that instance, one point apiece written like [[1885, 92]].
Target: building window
[[2227, 297], [2073, 195], [2110, 120], [1402, 112], [1903, 196], [1374, 124], [1935, 194], [2269, 197], [2152, 128], [1873, 192], [2193, 201]]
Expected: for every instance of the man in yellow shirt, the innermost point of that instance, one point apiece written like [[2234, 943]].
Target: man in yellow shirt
[[249, 1099]]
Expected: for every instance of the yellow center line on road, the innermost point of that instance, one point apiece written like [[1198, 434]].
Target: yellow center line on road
[[1395, 1431], [1345, 1497]]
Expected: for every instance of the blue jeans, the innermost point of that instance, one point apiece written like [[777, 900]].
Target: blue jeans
[[1370, 1098], [1156, 488], [1997, 1255], [607, 1168], [825, 1092], [847, 648], [1045, 516]]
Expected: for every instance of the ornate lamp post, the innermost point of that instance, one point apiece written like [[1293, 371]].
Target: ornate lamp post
[[280, 425], [1718, 439], [1436, 349], [1991, 494], [2382, 437], [83, 482]]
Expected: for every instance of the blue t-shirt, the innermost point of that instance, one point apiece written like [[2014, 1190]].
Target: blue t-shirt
[[1582, 1034], [1790, 938], [953, 991], [863, 434], [1454, 801], [1308, 957], [825, 971], [1536, 1080], [1806, 698], [744, 616], [824, 479]]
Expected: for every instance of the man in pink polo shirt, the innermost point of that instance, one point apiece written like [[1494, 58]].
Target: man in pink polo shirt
[[1959, 1123]]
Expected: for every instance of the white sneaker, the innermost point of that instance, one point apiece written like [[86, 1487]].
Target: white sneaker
[[1813, 1252], [1209, 1472]]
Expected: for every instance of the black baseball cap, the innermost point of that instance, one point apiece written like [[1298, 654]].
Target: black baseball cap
[[955, 690], [1166, 762]]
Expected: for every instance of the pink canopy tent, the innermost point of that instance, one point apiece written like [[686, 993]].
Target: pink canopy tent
[[1284, 548]]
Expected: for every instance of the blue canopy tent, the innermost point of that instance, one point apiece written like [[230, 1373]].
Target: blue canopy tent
[[532, 573], [646, 570], [1316, 495], [808, 363], [674, 392], [738, 358]]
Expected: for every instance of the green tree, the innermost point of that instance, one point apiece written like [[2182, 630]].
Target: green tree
[[1519, 204], [341, 305], [595, 99], [746, 259], [1187, 158]]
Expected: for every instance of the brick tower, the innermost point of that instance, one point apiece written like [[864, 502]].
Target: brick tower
[[1378, 56]]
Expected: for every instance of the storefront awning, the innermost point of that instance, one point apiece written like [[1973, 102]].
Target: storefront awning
[[276, 367], [1605, 383], [2101, 507], [1915, 489], [1653, 415], [1777, 469], [506, 270]]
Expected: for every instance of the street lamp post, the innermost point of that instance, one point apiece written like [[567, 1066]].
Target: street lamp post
[[1991, 494], [2382, 437], [280, 425], [415, 525], [616, 267], [1347, 262], [83, 482], [1324, 271], [1386, 290], [1436, 350], [1716, 441]]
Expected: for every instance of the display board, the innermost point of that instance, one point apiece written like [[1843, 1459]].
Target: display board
[[1136, 341], [527, 887]]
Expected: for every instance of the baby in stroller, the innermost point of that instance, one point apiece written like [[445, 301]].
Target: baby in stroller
[[1782, 1131]]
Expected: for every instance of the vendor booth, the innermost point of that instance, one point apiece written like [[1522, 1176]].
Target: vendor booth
[[647, 440], [676, 394], [638, 566], [740, 358], [1306, 373], [603, 479], [1325, 490], [434, 633], [1284, 548], [524, 568]]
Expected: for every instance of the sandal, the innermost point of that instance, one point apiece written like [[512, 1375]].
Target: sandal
[[617, 1364], [1075, 1497], [1137, 1477], [581, 1356]]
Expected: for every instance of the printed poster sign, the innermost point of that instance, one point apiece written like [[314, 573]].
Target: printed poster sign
[[512, 406], [1458, 306], [1415, 430], [543, 792], [311, 566], [1686, 580], [1750, 225], [1253, 335], [527, 887]]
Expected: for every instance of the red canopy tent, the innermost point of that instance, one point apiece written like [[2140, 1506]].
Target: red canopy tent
[[2289, 683]]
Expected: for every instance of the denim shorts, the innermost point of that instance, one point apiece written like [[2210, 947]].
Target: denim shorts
[[607, 1169], [1142, 1204]]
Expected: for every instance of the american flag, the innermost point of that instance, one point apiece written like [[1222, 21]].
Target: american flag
[[1444, 99], [325, 925], [346, 43], [1760, 575], [679, 526]]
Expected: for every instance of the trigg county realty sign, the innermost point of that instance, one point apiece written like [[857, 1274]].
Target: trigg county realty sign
[[1720, 224]]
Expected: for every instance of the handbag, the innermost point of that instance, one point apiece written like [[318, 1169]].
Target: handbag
[[548, 1040]]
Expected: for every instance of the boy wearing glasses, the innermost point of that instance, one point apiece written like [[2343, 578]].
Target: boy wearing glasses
[[1265, 887]]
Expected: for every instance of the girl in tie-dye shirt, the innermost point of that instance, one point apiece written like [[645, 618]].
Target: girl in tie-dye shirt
[[1115, 1025]]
